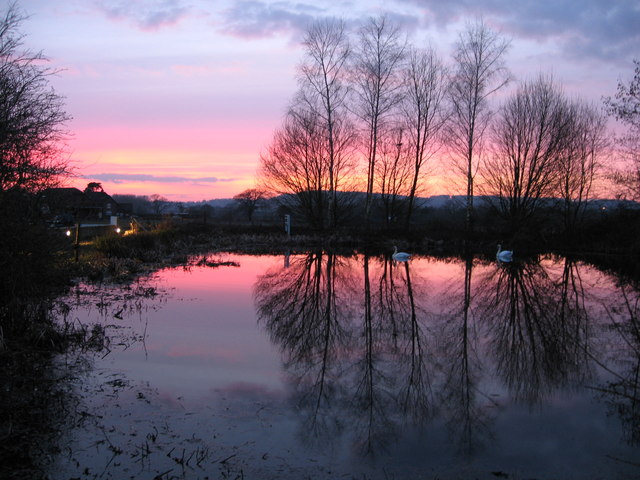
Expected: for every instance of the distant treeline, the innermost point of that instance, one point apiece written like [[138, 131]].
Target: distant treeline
[[607, 225]]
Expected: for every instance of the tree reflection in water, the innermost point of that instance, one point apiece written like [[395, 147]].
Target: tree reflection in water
[[303, 316], [415, 397], [373, 382], [537, 328], [371, 346], [355, 354], [387, 354], [466, 415], [622, 392]]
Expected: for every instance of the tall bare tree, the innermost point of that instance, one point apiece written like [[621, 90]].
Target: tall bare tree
[[581, 160], [478, 72], [32, 158], [625, 107], [424, 88], [393, 174], [529, 139], [323, 91], [32, 119], [377, 80]]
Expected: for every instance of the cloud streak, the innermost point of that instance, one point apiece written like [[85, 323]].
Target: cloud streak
[[145, 14], [256, 19], [119, 178]]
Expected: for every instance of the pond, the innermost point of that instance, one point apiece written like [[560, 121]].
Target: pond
[[324, 366]]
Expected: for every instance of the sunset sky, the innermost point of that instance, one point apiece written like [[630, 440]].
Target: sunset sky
[[180, 97]]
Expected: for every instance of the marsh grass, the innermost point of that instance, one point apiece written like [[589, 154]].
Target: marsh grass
[[173, 243], [37, 402], [46, 358], [99, 424]]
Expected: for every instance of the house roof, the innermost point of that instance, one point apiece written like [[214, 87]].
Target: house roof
[[64, 196], [77, 199]]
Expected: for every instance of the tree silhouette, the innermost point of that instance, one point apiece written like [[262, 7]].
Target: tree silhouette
[[478, 72], [249, 200], [625, 106], [32, 119]]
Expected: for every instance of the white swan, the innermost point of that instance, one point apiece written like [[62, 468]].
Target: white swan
[[400, 256], [504, 255]]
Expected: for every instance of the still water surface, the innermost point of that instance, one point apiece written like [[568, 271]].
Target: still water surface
[[322, 366]]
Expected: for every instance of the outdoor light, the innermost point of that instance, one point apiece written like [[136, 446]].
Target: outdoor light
[[68, 233], [117, 229]]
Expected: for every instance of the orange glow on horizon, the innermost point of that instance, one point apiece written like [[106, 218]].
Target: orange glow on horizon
[[182, 165]]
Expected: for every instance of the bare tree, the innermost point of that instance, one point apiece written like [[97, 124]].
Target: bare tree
[[479, 71], [249, 200], [530, 137], [32, 118], [627, 178], [32, 158], [625, 107], [292, 166], [580, 161], [422, 110], [377, 82], [297, 166], [393, 174], [323, 90], [158, 203]]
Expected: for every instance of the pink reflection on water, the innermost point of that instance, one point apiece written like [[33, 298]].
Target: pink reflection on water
[[262, 385], [202, 353], [204, 335]]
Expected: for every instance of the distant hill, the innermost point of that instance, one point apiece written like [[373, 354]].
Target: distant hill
[[214, 202], [439, 201], [434, 201]]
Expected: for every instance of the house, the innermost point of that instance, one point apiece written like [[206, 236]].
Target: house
[[69, 205]]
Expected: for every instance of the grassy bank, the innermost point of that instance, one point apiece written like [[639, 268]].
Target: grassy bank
[[121, 257]]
